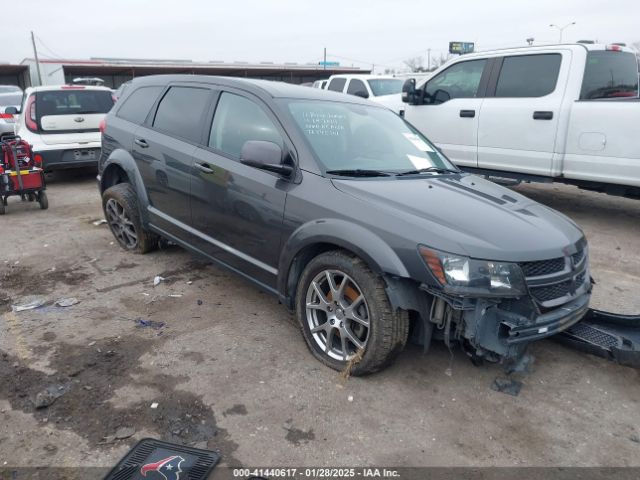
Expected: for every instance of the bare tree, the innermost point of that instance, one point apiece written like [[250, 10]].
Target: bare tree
[[415, 64], [438, 61]]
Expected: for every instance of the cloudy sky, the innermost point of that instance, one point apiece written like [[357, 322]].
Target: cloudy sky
[[355, 32]]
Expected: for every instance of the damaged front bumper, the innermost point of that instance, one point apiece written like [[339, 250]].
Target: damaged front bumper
[[500, 331], [555, 296], [520, 329]]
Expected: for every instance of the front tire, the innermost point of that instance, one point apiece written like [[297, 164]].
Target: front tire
[[345, 315], [120, 206]]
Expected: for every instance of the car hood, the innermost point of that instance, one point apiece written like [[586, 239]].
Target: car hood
[[467, 215]]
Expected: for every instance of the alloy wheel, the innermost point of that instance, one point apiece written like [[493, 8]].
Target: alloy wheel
[[337, 314], [120, 223]]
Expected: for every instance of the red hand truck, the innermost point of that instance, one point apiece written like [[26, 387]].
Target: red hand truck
[[20, 173]]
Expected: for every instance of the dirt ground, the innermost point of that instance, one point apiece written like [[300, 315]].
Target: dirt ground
[[229, 370]]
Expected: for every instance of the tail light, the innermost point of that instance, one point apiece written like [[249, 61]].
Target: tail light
[[1, 169], [614, 48], [7, 117], [37, 158], [103, 125], [30, 114]]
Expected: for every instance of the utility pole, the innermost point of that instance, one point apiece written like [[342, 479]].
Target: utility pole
[[324, 63], [35, 54]]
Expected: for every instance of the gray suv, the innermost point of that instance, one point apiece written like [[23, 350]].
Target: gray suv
[[345, 212]]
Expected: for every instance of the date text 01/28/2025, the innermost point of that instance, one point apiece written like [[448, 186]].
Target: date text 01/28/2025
[[334, 473]]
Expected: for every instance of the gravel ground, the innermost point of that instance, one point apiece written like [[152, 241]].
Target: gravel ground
[[229, 370]]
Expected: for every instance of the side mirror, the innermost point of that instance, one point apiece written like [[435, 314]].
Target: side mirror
[[361, 94], [12, 110], [265, 156], [440, 96], [409, 91]]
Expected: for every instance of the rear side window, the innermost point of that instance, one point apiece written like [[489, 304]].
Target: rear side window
[[136, 107], [609, 74], [238, 120], [337, 84], [528, 75], [73, 102], [181, 112], [458, 81], [357, 86], [385, 86]]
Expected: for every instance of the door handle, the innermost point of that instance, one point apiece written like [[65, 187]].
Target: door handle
[[141, 142], [467, 113], [203, 167], [542, 115]]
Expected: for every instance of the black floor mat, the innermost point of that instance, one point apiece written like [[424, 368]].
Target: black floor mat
[[156, 460]]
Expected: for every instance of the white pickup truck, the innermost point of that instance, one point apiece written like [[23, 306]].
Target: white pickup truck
[[567, 113]]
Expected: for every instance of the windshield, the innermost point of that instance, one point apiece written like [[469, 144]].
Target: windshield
[[73, 102], [347, 136], [610, 74], [385, 86]]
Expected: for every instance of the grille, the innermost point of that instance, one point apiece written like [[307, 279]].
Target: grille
[[577, 257], [551, 292], [543, 267]]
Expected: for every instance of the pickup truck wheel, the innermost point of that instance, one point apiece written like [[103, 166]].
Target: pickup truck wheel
[[120, 207], [345, 315]]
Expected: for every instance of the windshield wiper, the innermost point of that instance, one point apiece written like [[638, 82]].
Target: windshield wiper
[[428, 169], [359, 173]]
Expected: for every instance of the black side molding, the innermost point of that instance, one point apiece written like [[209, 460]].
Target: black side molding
[[542, 115]]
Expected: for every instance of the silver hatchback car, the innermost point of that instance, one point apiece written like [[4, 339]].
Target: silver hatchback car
[[10, 96]]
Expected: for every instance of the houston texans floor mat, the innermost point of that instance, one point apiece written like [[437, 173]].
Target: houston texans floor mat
[[156, 460]]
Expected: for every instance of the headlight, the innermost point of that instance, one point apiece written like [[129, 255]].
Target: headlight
[[468, 276]]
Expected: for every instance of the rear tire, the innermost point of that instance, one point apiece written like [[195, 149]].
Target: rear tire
[[43, 200], [120, 206], [345, 315]]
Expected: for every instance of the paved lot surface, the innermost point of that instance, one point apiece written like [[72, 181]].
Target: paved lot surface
[[230, 371]]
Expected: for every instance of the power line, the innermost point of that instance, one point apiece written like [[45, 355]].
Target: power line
[[51, 51], [419, 52]]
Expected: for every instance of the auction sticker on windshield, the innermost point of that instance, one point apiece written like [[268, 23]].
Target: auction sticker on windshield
[[418, 142]]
